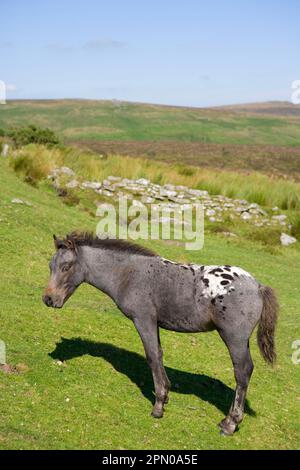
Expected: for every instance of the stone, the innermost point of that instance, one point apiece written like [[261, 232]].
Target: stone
[[66, 171], [72, 184], [280, 218], [229, 234], [143, 181], [147, 199], [198, 192], [287, 240], [5, 149], [169, 187], [91, 185], [183, 201], [246, 216], [20, 201], [109, 188], [106, 193], [114, 178], [137, 203], [210, 212], [168, 193]]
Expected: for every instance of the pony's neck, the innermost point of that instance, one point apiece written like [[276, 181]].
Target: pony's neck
[[104, 268]]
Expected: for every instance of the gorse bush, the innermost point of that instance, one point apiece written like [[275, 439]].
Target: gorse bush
[[33, 135]]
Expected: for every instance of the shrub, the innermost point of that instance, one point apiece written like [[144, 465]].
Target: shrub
[[33, 135], [34, 163]]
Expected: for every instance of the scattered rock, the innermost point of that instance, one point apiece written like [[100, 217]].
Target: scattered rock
[[147, 200], [20, 201], [198, 192], [229, 234], [246, 216], [287, 240], [137, 203], [5, 149], [280, 218], [91, 185], [143, 181], [72, 184], [66, 171], [210, 212], [143, 191]]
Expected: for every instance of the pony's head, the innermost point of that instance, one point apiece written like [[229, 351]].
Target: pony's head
[[66, 273]]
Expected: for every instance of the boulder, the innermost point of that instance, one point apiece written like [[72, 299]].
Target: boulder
[[287, 240]]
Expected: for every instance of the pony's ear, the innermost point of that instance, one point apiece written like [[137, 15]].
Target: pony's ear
[[59, 243], [70, 244]]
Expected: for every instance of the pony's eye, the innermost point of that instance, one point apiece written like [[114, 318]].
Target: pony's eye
[[65, 268]]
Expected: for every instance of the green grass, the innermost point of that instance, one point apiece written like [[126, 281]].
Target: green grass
[[106, 120], [99, 397]]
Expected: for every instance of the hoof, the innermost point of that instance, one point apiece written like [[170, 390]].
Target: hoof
[[157, 414], [227, 427]]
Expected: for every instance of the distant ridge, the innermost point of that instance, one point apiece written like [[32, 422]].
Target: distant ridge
[[279, 108], [276, 108]]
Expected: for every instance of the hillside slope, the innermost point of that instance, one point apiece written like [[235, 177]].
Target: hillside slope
[[261, 137], [84, 381], [123, 121]]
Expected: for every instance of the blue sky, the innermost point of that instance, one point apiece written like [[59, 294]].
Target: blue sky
[[195, 53]]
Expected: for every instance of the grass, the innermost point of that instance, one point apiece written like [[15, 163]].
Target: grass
[[35, 162], [99, 395]]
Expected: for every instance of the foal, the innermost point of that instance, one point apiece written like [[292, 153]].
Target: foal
[[157, 293]]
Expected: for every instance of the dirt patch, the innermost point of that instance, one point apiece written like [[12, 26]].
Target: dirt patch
[[10, 369]]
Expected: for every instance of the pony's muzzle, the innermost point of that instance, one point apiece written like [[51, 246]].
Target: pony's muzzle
[[47, 299]]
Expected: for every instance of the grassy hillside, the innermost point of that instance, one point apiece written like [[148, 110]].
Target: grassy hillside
[[250, 138], [109, 120], [84, 382]]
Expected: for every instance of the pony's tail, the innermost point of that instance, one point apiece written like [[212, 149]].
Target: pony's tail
[[267, 324]]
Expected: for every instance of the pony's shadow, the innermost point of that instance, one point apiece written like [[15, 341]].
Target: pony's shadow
[[135, 367]]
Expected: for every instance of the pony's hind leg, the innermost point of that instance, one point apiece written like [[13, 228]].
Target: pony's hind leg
[[243, 368], [148, 332]]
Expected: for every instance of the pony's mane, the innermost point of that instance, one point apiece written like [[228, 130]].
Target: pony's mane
[[114, 244]]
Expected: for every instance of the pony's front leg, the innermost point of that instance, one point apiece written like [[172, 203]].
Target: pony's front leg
[[148, 332]]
